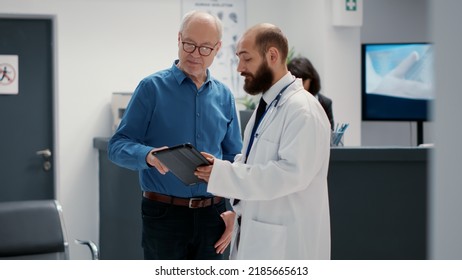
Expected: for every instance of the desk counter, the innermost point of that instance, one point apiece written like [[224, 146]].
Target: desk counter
[[378, 204]]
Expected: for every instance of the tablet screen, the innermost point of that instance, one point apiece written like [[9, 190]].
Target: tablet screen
[[182, 161]]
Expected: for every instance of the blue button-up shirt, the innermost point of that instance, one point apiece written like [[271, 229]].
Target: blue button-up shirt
[[167, 109]]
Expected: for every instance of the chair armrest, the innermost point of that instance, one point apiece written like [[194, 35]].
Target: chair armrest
[[91, 245]]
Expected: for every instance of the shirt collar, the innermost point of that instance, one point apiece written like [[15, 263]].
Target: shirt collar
[[273, 91], [180, 76]]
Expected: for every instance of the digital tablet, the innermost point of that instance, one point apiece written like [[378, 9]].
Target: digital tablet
[[182, 161]]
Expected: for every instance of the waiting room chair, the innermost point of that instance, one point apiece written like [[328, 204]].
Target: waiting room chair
[[34, 230]]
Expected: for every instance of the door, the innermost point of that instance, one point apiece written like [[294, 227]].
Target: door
[[26, 118]]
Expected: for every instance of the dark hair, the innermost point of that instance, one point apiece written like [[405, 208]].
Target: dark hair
[[272, 37], [301, 67]]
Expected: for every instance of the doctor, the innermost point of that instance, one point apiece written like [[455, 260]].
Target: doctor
[[279, 182]]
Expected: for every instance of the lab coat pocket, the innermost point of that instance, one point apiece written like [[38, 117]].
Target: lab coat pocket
[[263, 241], [266, 149]]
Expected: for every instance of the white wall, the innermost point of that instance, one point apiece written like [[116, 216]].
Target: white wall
[[335, 52], [342, 74], [332, 50], [106, 46], [446, 191]]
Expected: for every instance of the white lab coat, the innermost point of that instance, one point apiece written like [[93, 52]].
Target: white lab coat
[[283, 187]]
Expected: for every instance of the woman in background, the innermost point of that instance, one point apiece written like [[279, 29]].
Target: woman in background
[[302, 68]]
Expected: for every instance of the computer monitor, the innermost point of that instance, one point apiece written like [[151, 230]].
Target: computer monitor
[[397, 81]]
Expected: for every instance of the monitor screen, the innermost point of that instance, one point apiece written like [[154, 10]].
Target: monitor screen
[[397, 81]]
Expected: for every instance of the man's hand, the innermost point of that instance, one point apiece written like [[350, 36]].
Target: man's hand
[[221, 245], [203, 172], [155, 162]]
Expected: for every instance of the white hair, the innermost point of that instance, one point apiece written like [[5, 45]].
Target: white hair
[[191, 14]]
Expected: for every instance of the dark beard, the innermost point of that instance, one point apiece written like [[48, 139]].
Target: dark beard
[[261, 81]]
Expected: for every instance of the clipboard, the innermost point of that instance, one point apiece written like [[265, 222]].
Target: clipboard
[[182, 161]]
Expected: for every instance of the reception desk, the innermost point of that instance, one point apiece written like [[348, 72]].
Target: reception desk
[[378, 204]]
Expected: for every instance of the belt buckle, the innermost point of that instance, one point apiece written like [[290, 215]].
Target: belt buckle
[[193, 199]]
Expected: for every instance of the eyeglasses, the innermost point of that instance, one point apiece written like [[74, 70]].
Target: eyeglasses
[[203, 50]]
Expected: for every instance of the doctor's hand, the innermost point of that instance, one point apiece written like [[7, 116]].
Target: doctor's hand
[[225, 239], [203, 172], [153, 161]]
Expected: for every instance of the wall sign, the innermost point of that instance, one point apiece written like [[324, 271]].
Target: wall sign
[[9, 74], [347, 13]]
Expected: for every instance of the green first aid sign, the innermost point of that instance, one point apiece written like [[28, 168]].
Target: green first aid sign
[[351, 5]]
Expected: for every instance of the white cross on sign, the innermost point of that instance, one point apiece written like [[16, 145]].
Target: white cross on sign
[[350, 5]]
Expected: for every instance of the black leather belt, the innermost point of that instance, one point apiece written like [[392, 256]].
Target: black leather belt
[[194, 202]]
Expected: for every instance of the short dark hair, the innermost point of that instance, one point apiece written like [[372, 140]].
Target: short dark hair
[[272, 37], [302, 68]]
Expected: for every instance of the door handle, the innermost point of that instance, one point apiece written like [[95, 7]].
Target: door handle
[[45, 153]]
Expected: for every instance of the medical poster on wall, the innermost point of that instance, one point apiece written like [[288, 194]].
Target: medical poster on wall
[[9, 74], [232, 14]]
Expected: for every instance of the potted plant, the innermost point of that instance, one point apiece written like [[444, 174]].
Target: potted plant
[[290, 55], [249, 104]]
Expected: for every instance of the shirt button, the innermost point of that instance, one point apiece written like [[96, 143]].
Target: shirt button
[[198, 115]]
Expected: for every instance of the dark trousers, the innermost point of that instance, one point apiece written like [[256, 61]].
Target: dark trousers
[[173, 232]]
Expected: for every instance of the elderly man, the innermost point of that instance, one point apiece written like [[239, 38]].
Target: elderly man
[[182, 104]]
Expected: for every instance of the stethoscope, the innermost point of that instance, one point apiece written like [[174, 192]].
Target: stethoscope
[[271, 107]]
